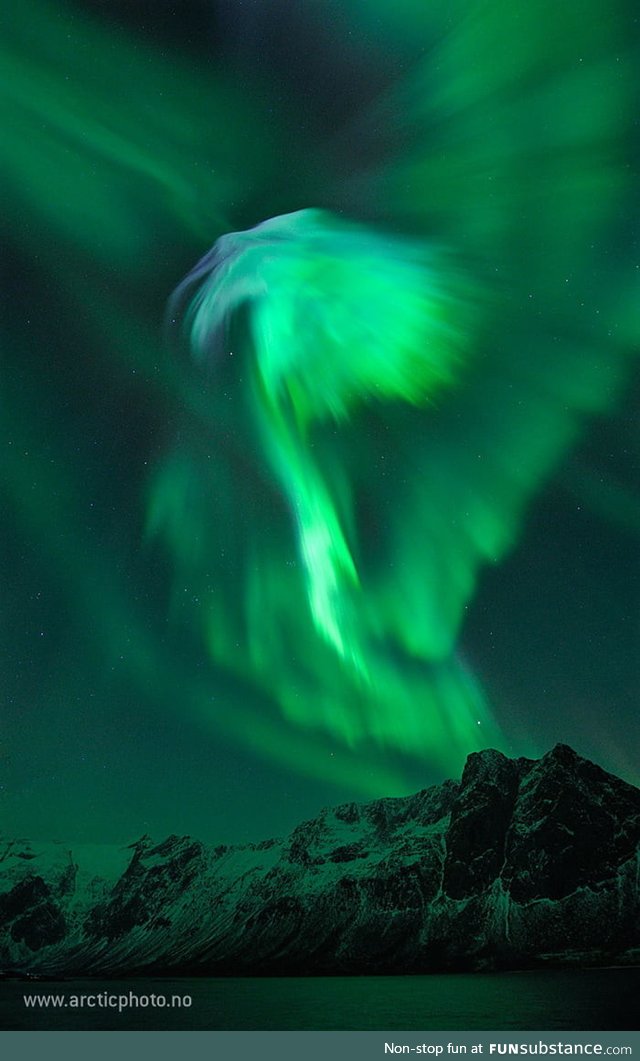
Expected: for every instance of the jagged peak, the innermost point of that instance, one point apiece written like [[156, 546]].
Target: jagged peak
[[567, 758], [143, 841], [565, 753], [529, 859], [488, 754], [485, 766]]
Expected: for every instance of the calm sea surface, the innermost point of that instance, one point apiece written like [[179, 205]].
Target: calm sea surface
[[604, 999]]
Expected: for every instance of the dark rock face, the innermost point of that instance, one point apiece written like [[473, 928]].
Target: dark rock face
[[480, 818], [155, 878], [573, 826], [522, 862], [30, 915]]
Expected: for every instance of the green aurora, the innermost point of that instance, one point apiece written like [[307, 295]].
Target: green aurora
[[272, 571]]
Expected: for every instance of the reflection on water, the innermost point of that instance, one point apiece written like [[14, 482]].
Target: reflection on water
[[604, 999]]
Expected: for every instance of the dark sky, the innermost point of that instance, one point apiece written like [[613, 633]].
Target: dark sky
[[139, 134]]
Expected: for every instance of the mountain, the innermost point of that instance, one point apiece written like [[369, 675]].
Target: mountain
[[522, 862]]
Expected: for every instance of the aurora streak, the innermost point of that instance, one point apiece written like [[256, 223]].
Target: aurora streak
[[280, 531]]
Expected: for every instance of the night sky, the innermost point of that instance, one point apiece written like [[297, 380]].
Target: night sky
[[163, 669]]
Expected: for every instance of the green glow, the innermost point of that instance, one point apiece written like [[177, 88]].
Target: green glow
[[347, 319], [340, 317], [102, 135], [344, 321], [399, 391], [407, 406]]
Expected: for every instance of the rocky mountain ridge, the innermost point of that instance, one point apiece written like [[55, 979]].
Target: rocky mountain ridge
[[522, 862]]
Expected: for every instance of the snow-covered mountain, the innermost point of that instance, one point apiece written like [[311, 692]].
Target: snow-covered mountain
[[521, 862]]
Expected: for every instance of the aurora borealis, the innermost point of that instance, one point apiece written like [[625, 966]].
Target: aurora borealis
[[365, 498]]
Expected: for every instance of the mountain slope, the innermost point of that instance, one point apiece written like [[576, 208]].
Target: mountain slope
[[521, 862]]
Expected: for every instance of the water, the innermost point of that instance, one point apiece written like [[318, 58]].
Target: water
[[603, 999]]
